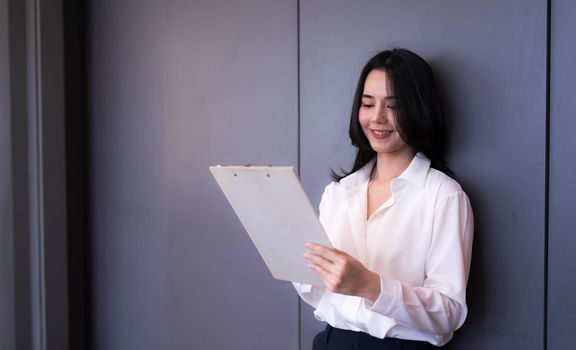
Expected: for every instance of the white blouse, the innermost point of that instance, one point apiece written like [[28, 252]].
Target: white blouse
[[419, 242]]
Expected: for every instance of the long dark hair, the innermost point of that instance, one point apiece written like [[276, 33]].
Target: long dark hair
[[419, 117]]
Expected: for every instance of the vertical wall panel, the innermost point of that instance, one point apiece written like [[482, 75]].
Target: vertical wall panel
[[490, 57], [7, 328], [562, 221], [177, 86]]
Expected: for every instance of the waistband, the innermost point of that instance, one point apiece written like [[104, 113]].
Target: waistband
[[361, 340]]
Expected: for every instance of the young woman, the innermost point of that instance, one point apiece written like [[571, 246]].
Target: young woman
[[402, 229]]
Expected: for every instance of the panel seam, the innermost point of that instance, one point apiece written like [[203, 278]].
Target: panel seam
[[298, 107], [298, 82], [547, 173], [38, 179]]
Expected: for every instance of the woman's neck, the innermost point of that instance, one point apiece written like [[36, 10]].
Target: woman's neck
[[391, 165]]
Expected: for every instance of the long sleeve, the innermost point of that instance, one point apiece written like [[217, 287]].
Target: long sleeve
[[439, 305]]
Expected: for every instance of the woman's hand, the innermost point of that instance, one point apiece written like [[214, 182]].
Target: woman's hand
[[342, 273]]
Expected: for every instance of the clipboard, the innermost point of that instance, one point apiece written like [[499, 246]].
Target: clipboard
[[277, 215]]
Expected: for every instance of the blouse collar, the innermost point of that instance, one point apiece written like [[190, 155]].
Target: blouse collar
[[415, 173]]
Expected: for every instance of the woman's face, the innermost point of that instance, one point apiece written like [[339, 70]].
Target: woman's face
[[377, 115]]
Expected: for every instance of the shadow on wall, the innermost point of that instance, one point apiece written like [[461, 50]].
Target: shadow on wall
[[477, 286]]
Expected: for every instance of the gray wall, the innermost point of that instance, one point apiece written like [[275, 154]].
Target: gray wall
[[491, 62], [180, 85], [562, 244], [177, 86], [6, 237]]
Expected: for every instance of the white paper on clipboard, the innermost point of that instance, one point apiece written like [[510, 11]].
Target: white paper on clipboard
[[278, 216]]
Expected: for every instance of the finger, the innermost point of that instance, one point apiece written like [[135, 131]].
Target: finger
[[326, 276], [327, 253], [333, 272], [320, 260]]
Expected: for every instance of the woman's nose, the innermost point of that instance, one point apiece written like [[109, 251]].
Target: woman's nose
[[381, 115]]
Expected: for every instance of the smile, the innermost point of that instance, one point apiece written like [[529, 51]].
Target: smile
[[382, 132]]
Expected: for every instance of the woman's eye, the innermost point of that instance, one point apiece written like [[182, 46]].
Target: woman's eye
[[391, 106], [367, 105]]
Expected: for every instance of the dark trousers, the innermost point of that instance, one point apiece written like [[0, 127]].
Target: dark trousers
[[337, 339]]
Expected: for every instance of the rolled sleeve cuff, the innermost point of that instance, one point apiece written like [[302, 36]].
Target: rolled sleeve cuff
[[302, 288], [388, 294]]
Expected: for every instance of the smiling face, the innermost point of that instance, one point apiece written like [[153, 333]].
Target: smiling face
[[377, 115]]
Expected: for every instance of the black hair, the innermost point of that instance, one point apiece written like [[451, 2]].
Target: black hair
[[419, 117]]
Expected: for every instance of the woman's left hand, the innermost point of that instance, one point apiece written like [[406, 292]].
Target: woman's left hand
[[342, 273]]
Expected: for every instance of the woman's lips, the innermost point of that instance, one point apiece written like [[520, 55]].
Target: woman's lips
[[381, 134]]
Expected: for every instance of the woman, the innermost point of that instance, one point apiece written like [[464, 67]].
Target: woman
[[401, 229]]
